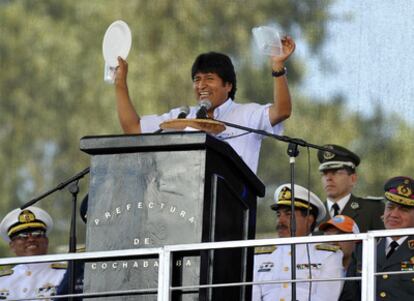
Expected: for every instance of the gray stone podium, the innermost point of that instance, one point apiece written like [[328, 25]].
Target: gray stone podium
[[152, 190]]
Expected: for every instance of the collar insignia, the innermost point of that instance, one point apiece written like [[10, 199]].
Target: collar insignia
[[354, 205], [411, 244]]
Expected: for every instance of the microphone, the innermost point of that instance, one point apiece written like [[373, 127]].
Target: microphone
[[184, 110], [203, 106]]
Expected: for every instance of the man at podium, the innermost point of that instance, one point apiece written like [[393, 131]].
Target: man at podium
[[214, 81]]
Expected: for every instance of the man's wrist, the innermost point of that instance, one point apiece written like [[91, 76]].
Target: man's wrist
[[279, 72]]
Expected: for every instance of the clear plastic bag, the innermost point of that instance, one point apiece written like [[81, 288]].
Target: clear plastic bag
[[268, 40]]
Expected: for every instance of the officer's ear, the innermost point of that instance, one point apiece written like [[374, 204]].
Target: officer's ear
[[354, 178]]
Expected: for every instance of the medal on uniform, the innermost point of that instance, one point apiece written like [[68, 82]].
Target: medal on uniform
[[266, 266], [407, 265]]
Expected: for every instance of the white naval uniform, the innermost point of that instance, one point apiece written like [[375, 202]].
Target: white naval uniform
[[276, 266], [31, 280]]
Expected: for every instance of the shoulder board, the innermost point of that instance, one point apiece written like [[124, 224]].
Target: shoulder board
[[264, 250], [59, 266], [6, 272], [80, 250], [327, 247]]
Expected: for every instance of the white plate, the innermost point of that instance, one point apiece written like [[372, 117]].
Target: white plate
[[116, 42]]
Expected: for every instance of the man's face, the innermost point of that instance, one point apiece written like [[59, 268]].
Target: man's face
[[398, 216], [347, 247], [337, 183], [210, 86], [303, 223], [30, 243]]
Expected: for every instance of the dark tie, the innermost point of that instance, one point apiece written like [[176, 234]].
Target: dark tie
[[335, 207], [393, 246]]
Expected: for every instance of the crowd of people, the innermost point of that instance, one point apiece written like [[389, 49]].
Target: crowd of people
[[214, 79]]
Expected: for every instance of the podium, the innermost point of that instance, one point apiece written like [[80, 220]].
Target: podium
[[153, 190]]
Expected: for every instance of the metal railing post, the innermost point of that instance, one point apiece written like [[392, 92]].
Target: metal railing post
[[164, 275], [369, 264]]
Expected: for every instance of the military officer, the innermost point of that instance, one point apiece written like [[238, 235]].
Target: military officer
[[393, 253], [397, 253], [339, 177], [27, 231], [312, 260]]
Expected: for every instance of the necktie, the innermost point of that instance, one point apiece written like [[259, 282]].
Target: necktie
[[393, 246], [335, 208]]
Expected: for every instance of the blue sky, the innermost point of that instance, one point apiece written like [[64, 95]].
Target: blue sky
[[371, 50]]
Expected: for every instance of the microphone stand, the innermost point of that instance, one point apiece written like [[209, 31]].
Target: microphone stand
[[293, 152], [73, 189]]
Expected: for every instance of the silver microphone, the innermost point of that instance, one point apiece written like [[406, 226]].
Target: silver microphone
[[183, 112], [203, 106]]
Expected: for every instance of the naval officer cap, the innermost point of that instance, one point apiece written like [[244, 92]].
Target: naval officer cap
[[304, 199], [18, 220], [400, 190], [329, 160]]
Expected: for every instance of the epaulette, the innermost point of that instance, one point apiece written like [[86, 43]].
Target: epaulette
[[327, 247], [6, 272], [59, 266], [264, 250], [80, 250]]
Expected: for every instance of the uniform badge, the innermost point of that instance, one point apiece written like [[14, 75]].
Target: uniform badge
[[48, 289], [411, 244], [305, 266], [404, 189], [4, 294], [26, 216], [354, 205], [407, 266], [266, 266], [328, 155]]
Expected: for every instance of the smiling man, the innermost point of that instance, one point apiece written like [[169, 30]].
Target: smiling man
[[312, 260], [394, 254], [26, 232], [397, 253], [339, 177], [214, 79]]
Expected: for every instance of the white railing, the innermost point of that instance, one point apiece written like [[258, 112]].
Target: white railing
[[165, 253]]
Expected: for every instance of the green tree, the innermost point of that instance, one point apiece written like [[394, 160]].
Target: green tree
[[52, 91]]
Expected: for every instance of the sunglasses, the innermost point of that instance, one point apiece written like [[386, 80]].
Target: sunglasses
[[33, 234]]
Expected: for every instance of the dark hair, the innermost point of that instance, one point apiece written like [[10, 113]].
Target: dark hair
[[313, 212], [218, 63]]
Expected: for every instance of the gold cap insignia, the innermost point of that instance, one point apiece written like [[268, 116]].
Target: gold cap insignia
[[285, 194], [26, 216], [404, 190]]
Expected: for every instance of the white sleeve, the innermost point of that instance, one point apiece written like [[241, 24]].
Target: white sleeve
[[259, 119], [151, 123]]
